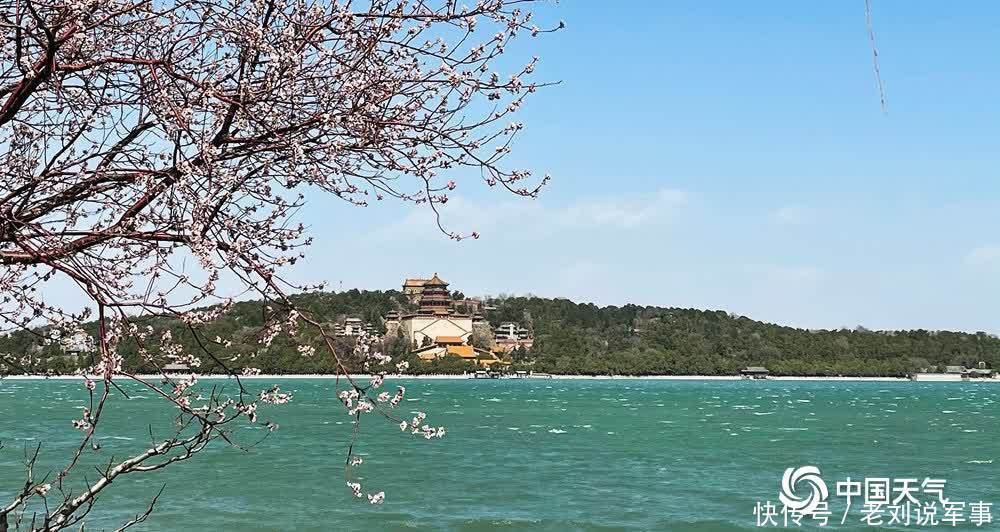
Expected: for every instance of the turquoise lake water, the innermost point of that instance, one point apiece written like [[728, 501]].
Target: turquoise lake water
[[533, 454]]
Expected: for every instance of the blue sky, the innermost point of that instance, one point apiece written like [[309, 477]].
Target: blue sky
[[731, 155]]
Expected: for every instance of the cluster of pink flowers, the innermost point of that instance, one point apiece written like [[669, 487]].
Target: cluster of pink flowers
[[364, 406], [373, 498], [84, 423], [348, 397], [247, 409], [306, 350], [356, 401], [275, 396], [417, 426]]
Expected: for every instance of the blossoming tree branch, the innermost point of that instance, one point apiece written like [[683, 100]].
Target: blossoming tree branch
[[153, 151]]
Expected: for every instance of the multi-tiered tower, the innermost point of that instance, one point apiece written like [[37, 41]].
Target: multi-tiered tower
[[435, 299], [435, 321]]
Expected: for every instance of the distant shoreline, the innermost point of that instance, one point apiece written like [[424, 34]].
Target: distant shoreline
[[928, 377]]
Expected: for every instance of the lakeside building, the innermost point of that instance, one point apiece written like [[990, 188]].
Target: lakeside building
[[472, 305], [435, 317], [510, 336], [413, 288], [444, 346], [979, 373], [352, 327], [755, 372], [176, 367], [436, 330]]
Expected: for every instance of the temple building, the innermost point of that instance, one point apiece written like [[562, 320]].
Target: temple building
[[352, 327], [413, 288], [510, 336], [444, 346], [435, 298], [453, 346], [434, 317], [435, 330]]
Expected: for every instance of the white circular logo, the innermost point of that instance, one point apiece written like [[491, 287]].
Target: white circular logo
[[799, 500]]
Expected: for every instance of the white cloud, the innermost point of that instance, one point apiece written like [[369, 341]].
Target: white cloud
[[792, 215], [985, 255], [533, 218], [620, 212]]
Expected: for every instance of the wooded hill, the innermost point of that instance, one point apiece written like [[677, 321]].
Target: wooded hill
[[571, 338]]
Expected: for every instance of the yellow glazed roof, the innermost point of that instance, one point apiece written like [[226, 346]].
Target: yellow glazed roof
[[464, 351]]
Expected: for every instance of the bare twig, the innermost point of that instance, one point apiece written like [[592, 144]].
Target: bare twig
[[871, 38]]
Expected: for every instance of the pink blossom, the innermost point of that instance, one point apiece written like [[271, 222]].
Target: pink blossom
[[194, 200]]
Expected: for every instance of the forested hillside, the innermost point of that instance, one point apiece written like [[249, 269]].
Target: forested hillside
[[570, 338], [583, 338]]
